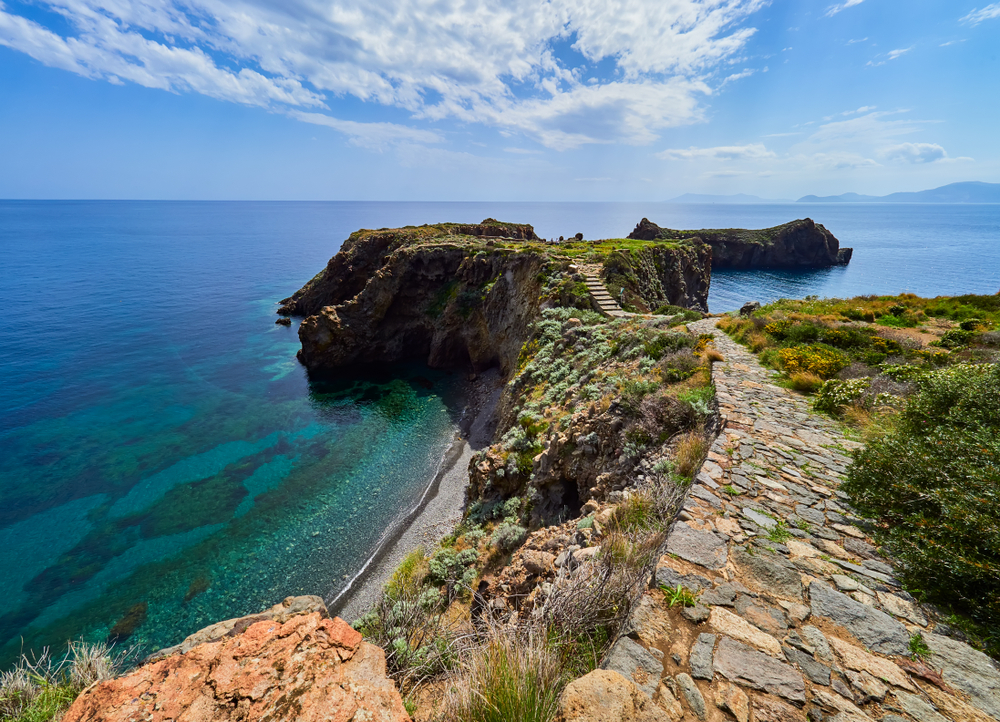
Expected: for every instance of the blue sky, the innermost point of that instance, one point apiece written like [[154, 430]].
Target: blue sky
[[489, 100]]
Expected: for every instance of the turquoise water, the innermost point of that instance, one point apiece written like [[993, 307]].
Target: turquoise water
[[164, 454]]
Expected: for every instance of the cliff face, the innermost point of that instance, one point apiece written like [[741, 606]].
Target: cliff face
[[466, 295], [426, 294], [658, 275], [799, 244]]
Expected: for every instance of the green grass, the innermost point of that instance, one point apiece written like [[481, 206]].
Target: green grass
[[779, 534], [918, 647], [679, 595]]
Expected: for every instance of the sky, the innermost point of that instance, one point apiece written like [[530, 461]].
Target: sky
[[517, 100]]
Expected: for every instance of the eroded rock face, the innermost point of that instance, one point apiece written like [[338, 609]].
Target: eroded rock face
[[308, 667], [606, 696], [799, 244]]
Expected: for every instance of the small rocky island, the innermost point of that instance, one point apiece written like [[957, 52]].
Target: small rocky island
[[799, 244]]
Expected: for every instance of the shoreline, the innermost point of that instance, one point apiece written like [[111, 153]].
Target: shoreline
[[438, 511]]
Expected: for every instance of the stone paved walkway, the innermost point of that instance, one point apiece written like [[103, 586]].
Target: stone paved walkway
[[797, 616], [599, 292]]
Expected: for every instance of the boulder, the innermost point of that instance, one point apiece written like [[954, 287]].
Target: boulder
[[309, 667], [606, 696]]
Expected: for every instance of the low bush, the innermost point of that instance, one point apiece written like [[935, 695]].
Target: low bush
[[637, 513], [508, 536], [819, 360], [932, 485], [678, 366]]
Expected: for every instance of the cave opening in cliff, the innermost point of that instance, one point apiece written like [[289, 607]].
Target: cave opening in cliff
[[571, 498]]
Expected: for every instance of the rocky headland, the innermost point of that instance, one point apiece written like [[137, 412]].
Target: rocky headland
[[799, 244]]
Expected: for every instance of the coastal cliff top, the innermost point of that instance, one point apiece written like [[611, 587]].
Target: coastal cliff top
[[647, 230]]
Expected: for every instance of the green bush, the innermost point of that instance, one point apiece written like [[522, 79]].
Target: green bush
[[932, 484]]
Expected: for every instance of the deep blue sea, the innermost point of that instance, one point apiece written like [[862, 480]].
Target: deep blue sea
[[165, 460]]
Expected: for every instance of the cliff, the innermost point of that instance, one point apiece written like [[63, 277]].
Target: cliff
[[798, 244], [455, 295]]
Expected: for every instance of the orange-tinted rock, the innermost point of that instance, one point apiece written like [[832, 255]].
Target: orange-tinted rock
[[307, 668]]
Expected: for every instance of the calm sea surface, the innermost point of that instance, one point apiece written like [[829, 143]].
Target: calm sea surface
[[166, 461]]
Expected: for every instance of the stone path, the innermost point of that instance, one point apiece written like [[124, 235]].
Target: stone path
[[599, 292], [797, 616]]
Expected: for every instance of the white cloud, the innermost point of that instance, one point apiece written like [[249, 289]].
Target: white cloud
[[861, 40], [987, 13], [834, 9], [476, 61], [755, 151], [919, 153], [891, 55], [369, 135]]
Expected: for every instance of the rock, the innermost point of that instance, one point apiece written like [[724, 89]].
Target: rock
[[606, 696], [901, 608], [635, 663], [798, 244], [696, 614], [725, 622], [918, 708], [817, 641], [859, 660], [723, 595], [815, 671], [666, 575], [968, 670], [765, 572], [536, 562], [704, 548], [734, 700], [281, 613], [700, 659], [743, 665], [765, 522], [769, 709], [867, 687], [749, 307], [692, 695], [877, 630], [283, 321], [308, 668]]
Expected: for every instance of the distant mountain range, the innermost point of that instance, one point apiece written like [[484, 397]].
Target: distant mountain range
[[969, 192], [739, 198]]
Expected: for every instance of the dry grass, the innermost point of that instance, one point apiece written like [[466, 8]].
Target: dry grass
[[690, 451], [806, 382], [510, 677], [713, 355], [757, 342]]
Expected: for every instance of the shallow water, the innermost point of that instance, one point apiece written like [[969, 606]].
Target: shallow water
[[163, 452]]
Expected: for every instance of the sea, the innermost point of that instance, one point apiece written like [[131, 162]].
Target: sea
[[166, 463]]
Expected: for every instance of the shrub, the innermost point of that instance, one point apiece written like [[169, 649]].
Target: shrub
[[512, 677], [806, 382], [690, 451], [667, 342], [955, 338], [757, 342], [508, 536], [678, 366], [932, 483], [834, 395], [699, 399], [823, 362]]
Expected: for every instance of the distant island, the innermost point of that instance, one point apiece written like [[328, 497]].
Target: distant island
[[969, 192]]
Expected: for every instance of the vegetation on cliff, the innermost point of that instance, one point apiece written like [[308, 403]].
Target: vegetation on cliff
[[602, 427], [919, 378]]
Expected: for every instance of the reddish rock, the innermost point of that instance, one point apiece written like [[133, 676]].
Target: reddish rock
[[306, 668]]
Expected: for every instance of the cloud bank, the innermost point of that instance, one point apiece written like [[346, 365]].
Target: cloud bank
[[535, 68]]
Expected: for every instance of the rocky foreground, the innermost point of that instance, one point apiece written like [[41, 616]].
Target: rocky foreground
[[290, 663]]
